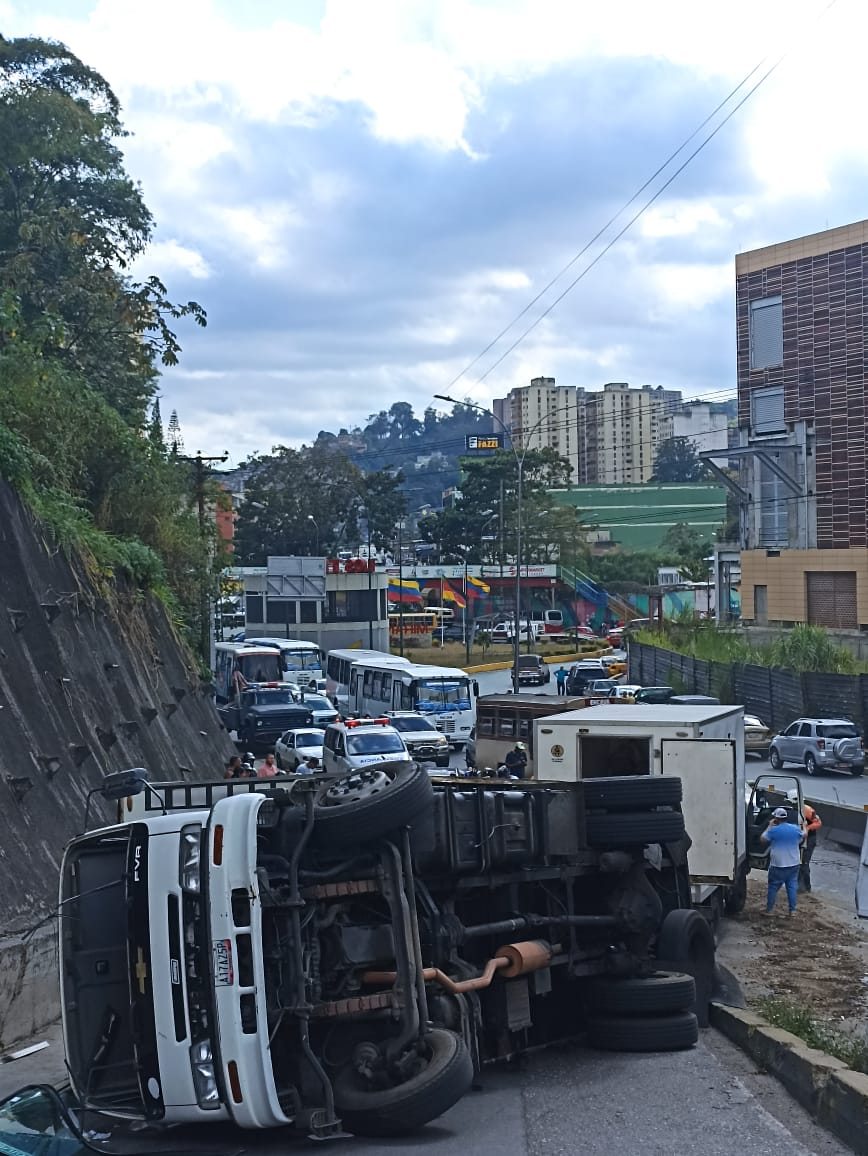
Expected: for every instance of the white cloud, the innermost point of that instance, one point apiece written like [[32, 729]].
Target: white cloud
[[689, 287], [171, 257]]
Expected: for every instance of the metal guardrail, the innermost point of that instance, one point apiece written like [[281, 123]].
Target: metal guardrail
[[844, 825]]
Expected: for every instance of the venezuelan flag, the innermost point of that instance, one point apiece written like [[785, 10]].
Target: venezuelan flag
[[476, 588], [405, 590]]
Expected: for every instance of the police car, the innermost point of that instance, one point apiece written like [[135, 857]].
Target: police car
[[362, 742]]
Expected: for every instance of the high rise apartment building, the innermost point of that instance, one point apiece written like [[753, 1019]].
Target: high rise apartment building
[[609, 436], [540, 416]]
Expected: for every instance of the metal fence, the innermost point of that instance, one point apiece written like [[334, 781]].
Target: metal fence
[[777, 696]]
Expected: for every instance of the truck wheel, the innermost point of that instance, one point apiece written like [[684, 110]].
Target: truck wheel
[[442, 1079], [367, 804], [644, 1033], [686, 942], [614, 794], [661, 992], [735, 897], [634, 829]]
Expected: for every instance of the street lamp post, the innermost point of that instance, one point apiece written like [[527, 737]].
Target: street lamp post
[[519, 465], [311, 518]]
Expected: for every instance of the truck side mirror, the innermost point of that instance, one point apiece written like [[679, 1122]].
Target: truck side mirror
[[120, 784], [475, 686]]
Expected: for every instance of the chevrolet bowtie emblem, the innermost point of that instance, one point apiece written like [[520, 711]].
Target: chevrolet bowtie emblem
[[141, 970]]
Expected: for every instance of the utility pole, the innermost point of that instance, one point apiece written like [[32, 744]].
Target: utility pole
[[201, 470]]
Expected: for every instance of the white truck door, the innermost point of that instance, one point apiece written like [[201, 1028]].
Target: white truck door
[[706, 768]]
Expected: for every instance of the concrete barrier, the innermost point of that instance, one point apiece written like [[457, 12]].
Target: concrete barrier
[[835, 1095], [29, 985], [844, 825]]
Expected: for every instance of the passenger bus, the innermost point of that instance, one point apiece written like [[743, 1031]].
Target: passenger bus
[[237, 663], [446, 695], [339, 663], [502, 720], [302, 661]]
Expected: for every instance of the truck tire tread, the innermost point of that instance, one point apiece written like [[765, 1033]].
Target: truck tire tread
[[634, 829], [655, 994], [632, 792], [666, 1033]]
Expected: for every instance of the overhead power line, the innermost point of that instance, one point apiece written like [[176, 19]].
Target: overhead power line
[[636, 216]]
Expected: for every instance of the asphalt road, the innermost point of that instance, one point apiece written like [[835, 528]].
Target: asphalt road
[[709, 1101]]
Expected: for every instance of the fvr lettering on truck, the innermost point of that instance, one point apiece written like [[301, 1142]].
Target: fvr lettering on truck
[[703, 746]]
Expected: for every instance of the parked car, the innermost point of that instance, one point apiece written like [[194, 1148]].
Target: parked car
[[424, 742], [294, 746], [581, 673], [757, 736], [532, 670], [832, 744]]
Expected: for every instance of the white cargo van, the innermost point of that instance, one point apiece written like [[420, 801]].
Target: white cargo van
[[702, 745]]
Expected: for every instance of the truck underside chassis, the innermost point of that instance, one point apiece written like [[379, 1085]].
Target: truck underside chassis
[[416, 933]]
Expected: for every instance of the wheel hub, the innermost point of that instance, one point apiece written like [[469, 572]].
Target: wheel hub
[[362, 784]]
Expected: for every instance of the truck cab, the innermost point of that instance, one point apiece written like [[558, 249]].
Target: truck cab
[[259, 713]]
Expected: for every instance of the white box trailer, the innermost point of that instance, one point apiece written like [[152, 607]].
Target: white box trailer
[[702, 745]]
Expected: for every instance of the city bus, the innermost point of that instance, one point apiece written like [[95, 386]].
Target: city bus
[[302, 661], [506, 719], [443, 693], [338, 665], [237, 663]]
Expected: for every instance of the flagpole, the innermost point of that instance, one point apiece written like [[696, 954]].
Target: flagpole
[[401, 585], [466, 635]]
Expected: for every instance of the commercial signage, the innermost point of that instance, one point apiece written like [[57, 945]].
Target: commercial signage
[[489, 442]]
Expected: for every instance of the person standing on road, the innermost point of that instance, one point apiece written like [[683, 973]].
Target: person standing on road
[[268, 769], [813, 823], [785, 839], [561, 679]]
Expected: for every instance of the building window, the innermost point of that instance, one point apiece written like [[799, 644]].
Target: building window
[[761, 605], [774, 510], [767, 410], [766, 333], [255, 609], [308, 611], [831, 598], [280, 613]]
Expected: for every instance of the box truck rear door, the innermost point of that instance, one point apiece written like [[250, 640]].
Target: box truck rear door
[[706, 768]]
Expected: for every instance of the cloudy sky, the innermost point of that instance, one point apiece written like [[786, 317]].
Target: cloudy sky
[[363, 193]]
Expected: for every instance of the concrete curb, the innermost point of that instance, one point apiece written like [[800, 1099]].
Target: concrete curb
[[835, 1095]]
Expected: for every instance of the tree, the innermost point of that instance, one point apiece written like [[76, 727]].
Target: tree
[[690, 549], [385, 505], [71, 223], [677, 461]]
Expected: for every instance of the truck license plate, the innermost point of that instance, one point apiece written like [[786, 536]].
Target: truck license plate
[[222, 951]]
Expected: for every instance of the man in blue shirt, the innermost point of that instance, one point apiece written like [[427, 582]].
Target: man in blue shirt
[[785, 840]]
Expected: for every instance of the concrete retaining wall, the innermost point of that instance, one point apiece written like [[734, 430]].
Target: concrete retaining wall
[[88, 684]]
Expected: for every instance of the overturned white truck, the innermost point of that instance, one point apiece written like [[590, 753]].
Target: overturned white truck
[[345, 953]]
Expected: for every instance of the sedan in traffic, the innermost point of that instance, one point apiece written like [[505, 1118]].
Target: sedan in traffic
[[322, 710], [294, 747]]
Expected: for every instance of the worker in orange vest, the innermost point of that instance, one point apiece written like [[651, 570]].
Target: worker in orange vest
[[811, 826]]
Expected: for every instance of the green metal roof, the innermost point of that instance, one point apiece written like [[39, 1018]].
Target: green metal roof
[[637, 517]]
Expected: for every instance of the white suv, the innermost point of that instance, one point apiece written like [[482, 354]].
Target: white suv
[[357, 743]]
